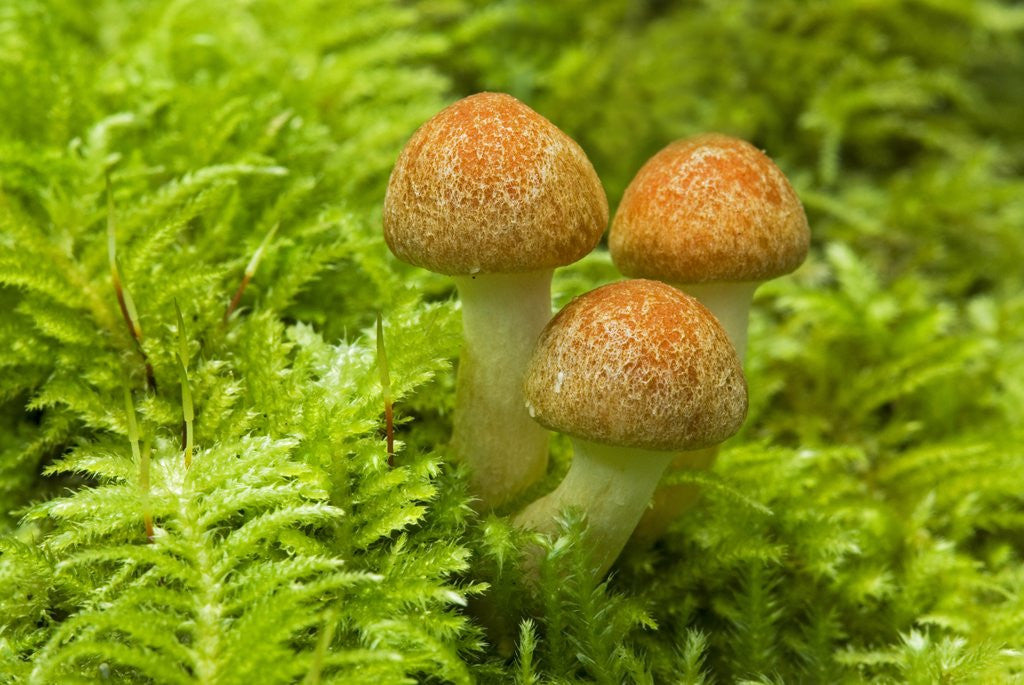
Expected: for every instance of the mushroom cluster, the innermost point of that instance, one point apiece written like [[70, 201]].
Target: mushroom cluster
[[638, 373]]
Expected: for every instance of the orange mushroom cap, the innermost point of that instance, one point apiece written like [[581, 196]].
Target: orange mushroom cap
[[709, 208], [490, 186], [637, 364]]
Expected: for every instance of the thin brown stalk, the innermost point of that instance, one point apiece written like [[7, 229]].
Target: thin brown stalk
[[250, 271], [187, 409], [385, 385], [124, 299]]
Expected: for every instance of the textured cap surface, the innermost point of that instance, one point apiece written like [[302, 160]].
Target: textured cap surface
[[637, 364], [490, 186], [709, 208]]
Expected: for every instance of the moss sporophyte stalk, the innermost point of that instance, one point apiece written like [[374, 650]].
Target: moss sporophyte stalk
[[385, 389], [187, 409], [124, 298], [141, 457]]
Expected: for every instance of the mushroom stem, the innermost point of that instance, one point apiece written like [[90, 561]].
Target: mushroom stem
[[613, 485], [670, 501], [502, 316], [730, 303]]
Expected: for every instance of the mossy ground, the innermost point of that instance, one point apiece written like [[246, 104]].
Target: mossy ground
[[866, 525]]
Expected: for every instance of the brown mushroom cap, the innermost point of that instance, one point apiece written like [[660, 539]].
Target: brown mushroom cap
[[709, 208], [637, 364], [490, 186]]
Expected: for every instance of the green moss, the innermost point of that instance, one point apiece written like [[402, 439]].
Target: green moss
[[866, 525]]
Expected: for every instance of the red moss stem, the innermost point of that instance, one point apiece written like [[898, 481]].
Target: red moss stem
[[250, 271], [385, 385], [124, 298]]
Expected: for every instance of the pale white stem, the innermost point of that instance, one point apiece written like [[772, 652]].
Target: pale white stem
[[505, 449], [730, 303], [612, 485], [670, 501]]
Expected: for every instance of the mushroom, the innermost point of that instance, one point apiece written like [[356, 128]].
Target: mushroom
[[715, 217], [633, 372], [492, 193]]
